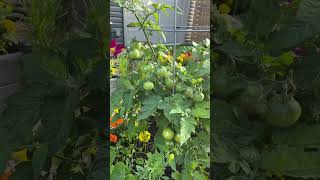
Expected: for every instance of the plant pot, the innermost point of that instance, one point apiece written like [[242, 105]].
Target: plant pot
[[113, 85], [9, 76]]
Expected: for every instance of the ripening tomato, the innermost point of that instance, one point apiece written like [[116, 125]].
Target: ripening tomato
[[198, 96], [169, 83], [283, 114], [162, 72], [148, 86], [177, 138], [167, 133], [146, 68], [134, 54], [189, 92], [171, 157], [179, 87]]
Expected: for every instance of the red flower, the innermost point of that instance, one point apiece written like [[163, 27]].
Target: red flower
[[115, 48]]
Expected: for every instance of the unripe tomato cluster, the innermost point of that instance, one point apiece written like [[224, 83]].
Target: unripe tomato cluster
[[169, 135]]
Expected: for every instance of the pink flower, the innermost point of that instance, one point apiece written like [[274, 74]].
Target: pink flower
[[115, 48], [299, 51]]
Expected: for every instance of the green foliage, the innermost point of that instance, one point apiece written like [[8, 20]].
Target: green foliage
[[7, 27], [56, 113], [161, 107], [149, 106], [43, 19], [280, 161], [262, 51], [303, 28], [38, 159]]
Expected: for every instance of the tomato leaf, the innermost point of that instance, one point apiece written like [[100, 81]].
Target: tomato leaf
[[150, 105], [39, 158], [187, 127], [118, 171], [294, 162], [202, 110]]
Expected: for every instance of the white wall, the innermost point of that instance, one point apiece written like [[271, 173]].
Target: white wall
[[166, 20]]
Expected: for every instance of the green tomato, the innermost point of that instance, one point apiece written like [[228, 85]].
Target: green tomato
[[148, 86], [198, 96], [167, 133], [169, 143], [194, 81], [199, 80], [162, 72], [179, 87], [194, 165], [134, 54], [146, 68], [189, 92], [169, 83], [177, 138], [139, 45], [283, 114], [168, 74], [171, 157]]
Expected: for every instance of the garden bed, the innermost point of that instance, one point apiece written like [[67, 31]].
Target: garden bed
[[160, 121]]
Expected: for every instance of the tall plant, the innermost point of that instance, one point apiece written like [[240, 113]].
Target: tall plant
[[265, 89], [158, 126], [52, 126]]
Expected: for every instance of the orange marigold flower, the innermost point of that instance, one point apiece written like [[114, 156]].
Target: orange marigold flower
[[119, 121], [113, 125], [183, 56], [5, 175], [113, 138], [116, 123], [188, 55]]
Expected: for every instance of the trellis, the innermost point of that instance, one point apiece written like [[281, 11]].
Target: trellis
[[198, 25]]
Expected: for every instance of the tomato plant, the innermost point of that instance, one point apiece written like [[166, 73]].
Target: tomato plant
[[264, 85], [51, 128], [169, 99]]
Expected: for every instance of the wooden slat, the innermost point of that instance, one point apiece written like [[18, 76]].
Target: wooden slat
[[116, 17]]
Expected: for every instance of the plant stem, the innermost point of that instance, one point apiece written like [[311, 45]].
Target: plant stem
[[145, 34]]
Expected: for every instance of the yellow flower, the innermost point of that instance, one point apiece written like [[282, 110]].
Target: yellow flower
[[169, 57], [116, 110], [180, 59], [113, 71], [21, 155], [112, 50], [183, 56], [9, 25], [144, 136]]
